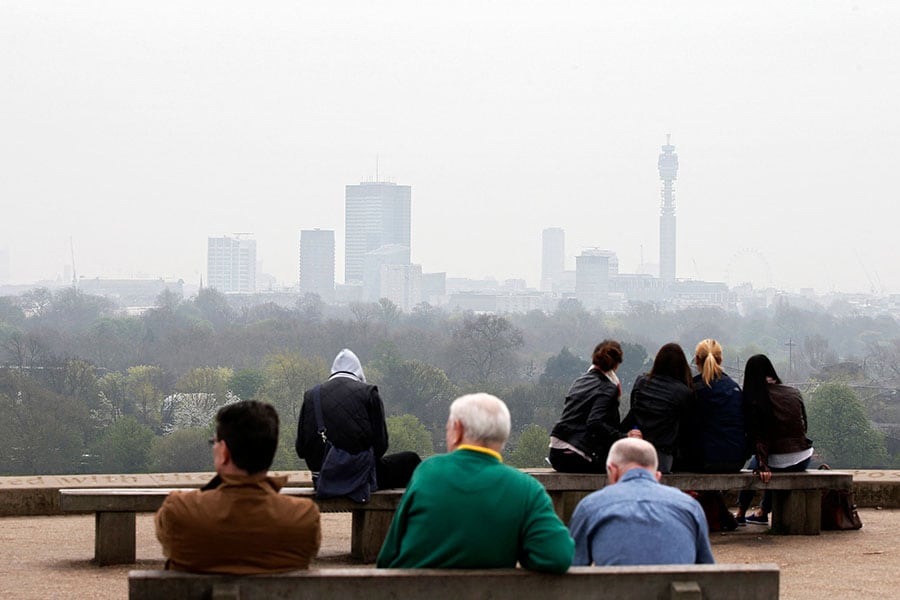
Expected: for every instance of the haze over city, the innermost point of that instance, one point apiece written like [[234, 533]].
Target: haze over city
[[134, 131]]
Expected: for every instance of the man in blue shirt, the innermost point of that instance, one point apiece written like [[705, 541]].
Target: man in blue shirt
[[636, 520]]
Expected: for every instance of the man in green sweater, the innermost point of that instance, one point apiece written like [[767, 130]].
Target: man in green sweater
[[467, 510]]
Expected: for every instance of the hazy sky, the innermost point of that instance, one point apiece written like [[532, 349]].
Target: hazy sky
[[139, 129]]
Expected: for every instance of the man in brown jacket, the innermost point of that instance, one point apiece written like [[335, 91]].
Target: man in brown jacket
[[239, 523]]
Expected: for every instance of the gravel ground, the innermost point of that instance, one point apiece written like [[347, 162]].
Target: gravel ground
[[50, 557]]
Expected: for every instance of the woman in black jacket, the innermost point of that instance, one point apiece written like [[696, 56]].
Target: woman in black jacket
[[590, 420], [658, 400], [777, 427]]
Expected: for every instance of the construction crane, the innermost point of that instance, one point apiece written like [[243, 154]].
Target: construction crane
[[874, 289]]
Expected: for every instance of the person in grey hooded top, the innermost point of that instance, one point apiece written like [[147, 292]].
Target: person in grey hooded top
[[354, 419]]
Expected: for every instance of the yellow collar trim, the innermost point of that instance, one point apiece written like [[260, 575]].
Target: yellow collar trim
[[493, 453]]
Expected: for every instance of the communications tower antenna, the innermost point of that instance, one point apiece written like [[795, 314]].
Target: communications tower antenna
[[72, 250], [668, 171]]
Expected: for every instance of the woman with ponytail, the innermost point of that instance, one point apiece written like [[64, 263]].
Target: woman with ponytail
[[590, 421], [713, 436], [777, 428]]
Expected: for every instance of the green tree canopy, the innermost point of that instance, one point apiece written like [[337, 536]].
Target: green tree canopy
[[406, 433], [485, 348], [40, 431], [183, 451], [124, 447], [288, 375], [531, 448], [246, 383], [564, 367], [634, 362], [840, 430], [144, 385], [410, 386]]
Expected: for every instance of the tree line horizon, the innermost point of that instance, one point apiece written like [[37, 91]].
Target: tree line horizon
[[86, 389]]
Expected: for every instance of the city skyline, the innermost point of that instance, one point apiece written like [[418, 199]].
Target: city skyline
[[134, 133]]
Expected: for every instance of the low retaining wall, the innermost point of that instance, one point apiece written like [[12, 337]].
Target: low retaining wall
[[39, 494], [876, 489]]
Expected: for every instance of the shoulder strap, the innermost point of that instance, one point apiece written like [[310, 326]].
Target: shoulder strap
[[317, 407]]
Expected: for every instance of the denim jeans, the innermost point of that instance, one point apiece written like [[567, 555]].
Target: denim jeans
[[745, 498]]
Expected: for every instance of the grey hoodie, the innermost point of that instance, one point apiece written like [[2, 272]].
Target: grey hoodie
[[346, 364]]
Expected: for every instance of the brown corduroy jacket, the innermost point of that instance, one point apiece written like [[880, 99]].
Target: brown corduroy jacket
[[238, 525]]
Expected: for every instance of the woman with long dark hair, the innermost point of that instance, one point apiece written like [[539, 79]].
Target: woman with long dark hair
[[590, 420], [777, 427], [658, 399]]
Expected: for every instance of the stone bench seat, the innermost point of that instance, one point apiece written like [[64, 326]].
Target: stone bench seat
[[796, 497], [672, 582], [115, 510], [796, 507]]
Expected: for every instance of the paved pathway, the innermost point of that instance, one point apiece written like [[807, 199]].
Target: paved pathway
[[49, 557]]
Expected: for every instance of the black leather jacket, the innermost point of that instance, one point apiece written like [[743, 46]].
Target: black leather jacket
[[657, 405], [590, 418], [783, 429]]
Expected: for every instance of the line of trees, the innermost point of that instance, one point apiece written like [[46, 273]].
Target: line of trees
[[84, 388]]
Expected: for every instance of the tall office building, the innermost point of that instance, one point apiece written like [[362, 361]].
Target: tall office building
[[231, 264], [592, 278], [668, 170], [317, 263], [553, 257], [376, 214]]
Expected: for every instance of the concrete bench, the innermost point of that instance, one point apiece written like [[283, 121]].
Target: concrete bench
[[796, 506], [115, 510], [675, 582], [796, 498]]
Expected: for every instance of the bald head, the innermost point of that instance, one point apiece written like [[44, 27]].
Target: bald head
[[478, 419], [631, 453]]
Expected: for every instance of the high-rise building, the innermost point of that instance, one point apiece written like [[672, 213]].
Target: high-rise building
[[376, 214], [317, 263], [402, 285], [231, 264], [374, 262], [553, 257], [668, 170], [592, 278]]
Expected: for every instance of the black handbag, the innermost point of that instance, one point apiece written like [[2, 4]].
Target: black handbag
[[343, 473]]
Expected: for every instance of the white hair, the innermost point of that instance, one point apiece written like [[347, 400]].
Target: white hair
[[633, 451], [484, 418]]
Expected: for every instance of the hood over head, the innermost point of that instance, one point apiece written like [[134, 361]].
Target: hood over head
[[346, 364]]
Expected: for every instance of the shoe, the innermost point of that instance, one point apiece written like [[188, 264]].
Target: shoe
[[757, 519], [741, 521]]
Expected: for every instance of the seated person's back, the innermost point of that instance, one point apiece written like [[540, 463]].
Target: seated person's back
[[636, 520], [239, 523], [466, 509]]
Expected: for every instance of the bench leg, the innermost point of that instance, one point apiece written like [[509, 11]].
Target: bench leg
[[370, 528], [797, 512], [114, 538], [570, 500], [559, 503], [685, 590]]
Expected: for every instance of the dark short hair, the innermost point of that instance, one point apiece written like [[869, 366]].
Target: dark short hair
[[607, 354], [250, 430]]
